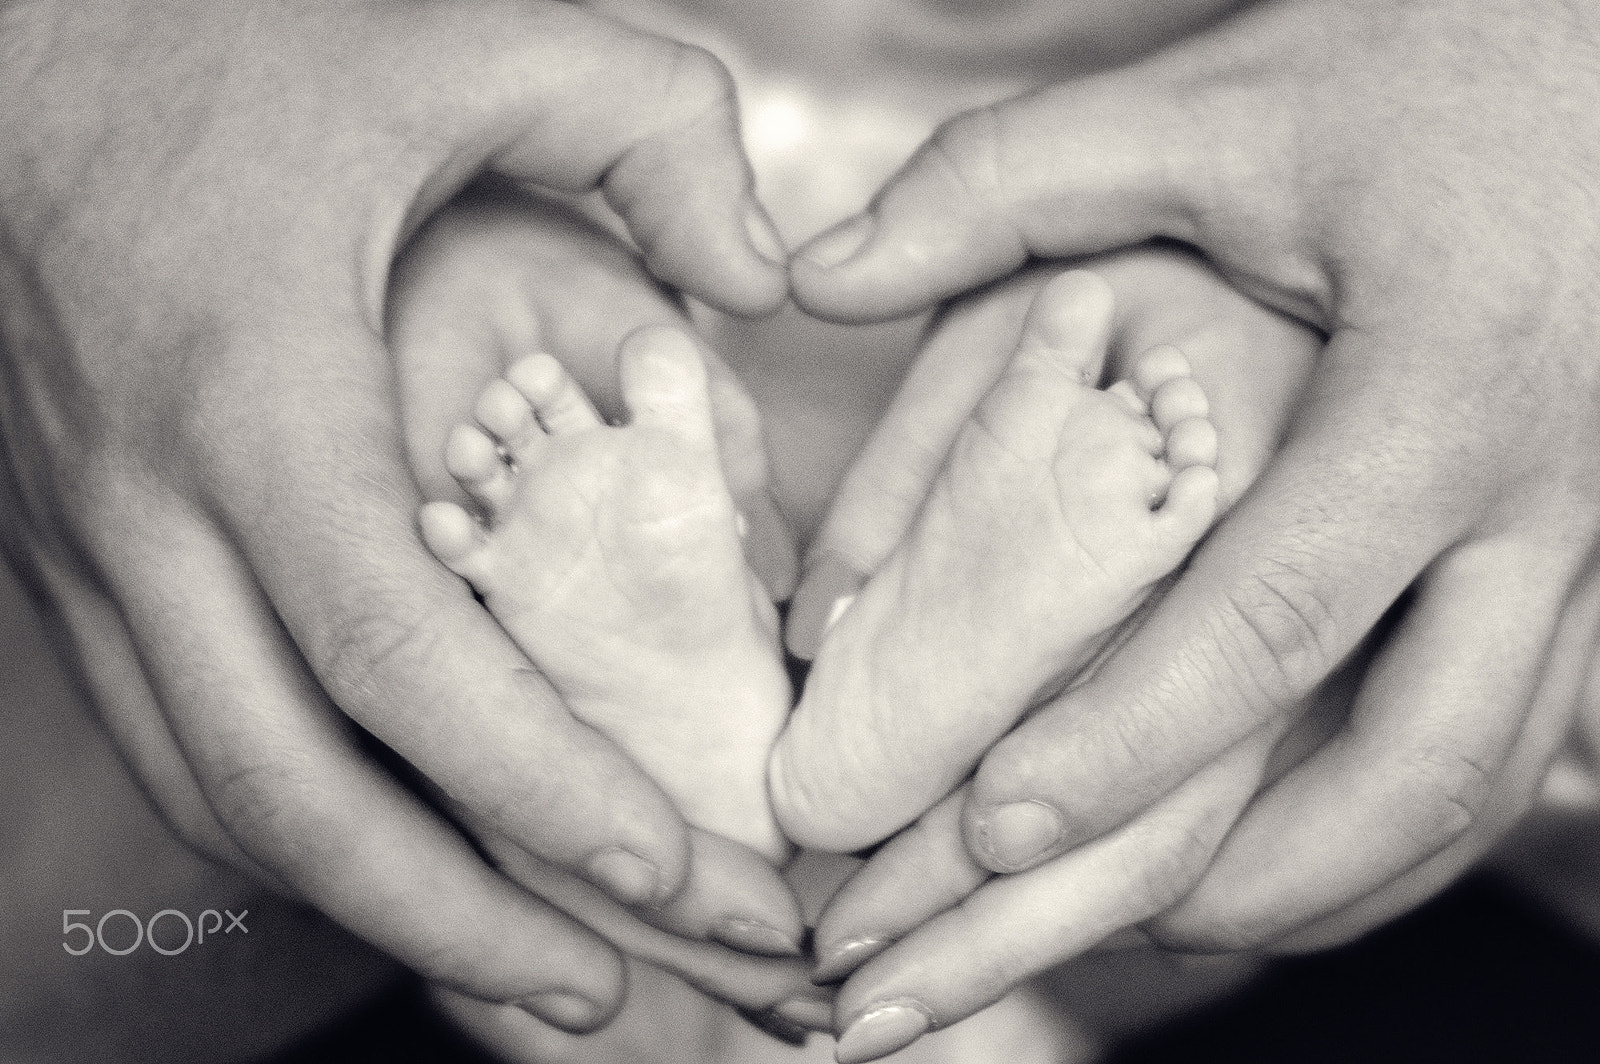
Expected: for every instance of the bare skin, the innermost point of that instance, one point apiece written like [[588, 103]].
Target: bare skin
[[1059, 507], [612, 555]]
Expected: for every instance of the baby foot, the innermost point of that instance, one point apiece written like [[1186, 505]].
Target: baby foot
[[612, 556], [1059, 507]]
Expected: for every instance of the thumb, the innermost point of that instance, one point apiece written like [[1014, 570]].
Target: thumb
[[1171, 147], [573, 101]]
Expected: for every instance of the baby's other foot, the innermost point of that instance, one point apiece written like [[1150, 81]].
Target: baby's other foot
[[612, 556], [1059, 507]]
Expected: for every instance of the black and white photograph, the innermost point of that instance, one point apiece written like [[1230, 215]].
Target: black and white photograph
[[799, 531]]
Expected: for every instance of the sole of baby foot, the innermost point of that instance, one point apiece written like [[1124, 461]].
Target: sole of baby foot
[[612, 555], [1061, 504]]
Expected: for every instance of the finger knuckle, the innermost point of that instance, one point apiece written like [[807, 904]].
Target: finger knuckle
[[199, 831], [693, 83], [259, 805], [1443, 795], [1280, 631], [1158, 877], [361, 655], [969, 150]]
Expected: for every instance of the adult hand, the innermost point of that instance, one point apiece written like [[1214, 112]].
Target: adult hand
[[201, 200], [1413, 179]]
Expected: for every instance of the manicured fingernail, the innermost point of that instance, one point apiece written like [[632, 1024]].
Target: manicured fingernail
[[768, 1022], [841, 243], [625, 876], [827, 579], [763, 236], [1019, 834], [881, 1030], [839, 961], [570, 1012], [840, 605], [753, 936], [810, 1013]]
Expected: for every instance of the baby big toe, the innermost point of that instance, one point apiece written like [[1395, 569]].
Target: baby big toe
[[1069, 324], [664, 383]]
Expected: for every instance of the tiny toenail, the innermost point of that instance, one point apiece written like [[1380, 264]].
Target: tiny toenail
[[628, 877], [841, 243], [1018, 835], [741, 524]]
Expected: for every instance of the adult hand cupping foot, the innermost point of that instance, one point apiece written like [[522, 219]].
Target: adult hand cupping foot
[[207, 487], [1410, 179]]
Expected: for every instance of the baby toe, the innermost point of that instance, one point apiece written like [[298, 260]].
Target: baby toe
[[1179, 399], [1125, 391], [1190, 506], [1192, 442], [664, 383], [455, 539], [506, 415], [558, 402], [474, 460], [1068, 326], [1156, 367]]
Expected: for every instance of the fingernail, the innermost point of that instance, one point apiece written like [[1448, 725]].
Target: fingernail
[[840, 605], [763, 236], [840, 961], [768, 1022], [809, 1013], [625, 876], [570, 1012], [841, 243], [882, 1030], [1018, 835], [826, 580], [753, 936]]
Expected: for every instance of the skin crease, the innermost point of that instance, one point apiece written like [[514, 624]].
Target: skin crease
[[1413, 180], [201, 201], [90, 410]]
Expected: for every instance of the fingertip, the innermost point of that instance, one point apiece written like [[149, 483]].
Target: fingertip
[[827, 580], [1014, 836], [571, 1012]]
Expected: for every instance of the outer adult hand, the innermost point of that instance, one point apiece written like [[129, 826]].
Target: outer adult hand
[[201, 202], [1413, 179]]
